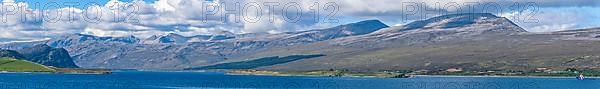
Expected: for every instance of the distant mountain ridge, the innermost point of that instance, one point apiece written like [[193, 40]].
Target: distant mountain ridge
[[174, 51], [472, 41], [176, 38], [69, 40]]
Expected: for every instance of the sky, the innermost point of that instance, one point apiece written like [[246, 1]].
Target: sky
[[23, 20]]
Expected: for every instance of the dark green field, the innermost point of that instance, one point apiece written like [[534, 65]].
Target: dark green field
[[266, 61]]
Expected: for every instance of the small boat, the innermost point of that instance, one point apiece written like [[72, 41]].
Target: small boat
[[580, 77]]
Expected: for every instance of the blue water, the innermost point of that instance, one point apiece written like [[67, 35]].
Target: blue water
[[195, 80]]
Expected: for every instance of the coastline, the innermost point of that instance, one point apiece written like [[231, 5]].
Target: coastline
[[413, 76], [64, 71], [81, 71], [486, 76], [375, 74], [104, 71]]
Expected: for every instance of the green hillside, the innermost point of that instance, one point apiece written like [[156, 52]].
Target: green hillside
[[14, 65], [266, 61]]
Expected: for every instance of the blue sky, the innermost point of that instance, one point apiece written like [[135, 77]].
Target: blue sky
[[188, 17]]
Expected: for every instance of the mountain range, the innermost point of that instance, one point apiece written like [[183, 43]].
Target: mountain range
[[474, 41]]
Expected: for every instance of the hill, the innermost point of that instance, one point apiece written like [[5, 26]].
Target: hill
[[481, 42], [14, 65], [46, 55]]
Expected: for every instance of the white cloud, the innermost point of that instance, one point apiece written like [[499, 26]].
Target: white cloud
[[188, 17], [555, 19]]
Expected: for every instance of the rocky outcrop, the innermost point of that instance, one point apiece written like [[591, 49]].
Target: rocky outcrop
[[11, 54], [46, 55]]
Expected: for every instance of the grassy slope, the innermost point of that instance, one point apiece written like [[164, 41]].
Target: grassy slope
[[14, 65], [266, 61], [522, 52]]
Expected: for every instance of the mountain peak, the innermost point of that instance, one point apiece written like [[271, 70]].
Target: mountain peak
[[352, 29], [174, 35], [78, 35], [45, 46], [450, 21], [372, 21], [360, 28], [471, 15], [460, 20], [172, 38], [226, 33], [79, 38]]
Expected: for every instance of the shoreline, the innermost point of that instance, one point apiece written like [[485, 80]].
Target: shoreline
[[64, 71], [483, 76], [413, 76], [291, 75], [375, 74]]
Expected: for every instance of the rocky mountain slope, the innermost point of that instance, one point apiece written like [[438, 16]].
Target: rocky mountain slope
[[173, 51], [11, 54], [42, 54], [46, 55], [481, 42]]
